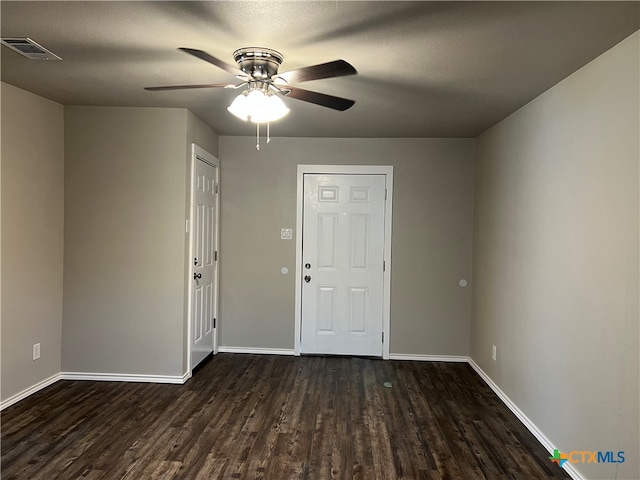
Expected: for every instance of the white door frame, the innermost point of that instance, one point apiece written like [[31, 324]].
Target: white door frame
[[198, 153], [346, 170]]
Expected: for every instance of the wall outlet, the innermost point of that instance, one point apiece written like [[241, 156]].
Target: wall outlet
[[36, 351], [286, 233], [493, 352]]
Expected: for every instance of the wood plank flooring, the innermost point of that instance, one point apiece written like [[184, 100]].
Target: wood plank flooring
[[275, 418]]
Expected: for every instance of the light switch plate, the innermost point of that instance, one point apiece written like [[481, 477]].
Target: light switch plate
[[286, 233]]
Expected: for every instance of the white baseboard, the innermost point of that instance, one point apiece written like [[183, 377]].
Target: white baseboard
[[29, 391], [526, 421], [428, 358], [259, 351], [124, 377]]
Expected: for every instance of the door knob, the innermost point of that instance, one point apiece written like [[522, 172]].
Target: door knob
[[307, 278], [197, 276]]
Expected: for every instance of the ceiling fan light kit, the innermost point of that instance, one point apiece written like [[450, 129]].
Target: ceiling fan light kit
[[259, 106], [258, 70]]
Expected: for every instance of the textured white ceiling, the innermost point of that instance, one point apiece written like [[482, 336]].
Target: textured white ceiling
[[425, 69]]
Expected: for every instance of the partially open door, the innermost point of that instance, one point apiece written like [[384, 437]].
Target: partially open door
[[204, 258]]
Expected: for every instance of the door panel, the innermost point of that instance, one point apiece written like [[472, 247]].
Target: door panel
[[326, 312], [358, 310], [343, 243], [358, 241], [204, 268]]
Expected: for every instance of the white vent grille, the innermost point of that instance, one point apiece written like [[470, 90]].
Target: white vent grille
[[30, 49]]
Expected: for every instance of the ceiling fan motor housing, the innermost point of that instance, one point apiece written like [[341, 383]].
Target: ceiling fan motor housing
[[258, 62]]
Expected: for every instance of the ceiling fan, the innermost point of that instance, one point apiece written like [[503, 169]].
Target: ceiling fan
[[258, 70]]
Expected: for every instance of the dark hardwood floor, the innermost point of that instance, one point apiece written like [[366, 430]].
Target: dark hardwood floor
[[275, 418]]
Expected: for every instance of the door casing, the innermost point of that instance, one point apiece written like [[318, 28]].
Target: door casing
[[385, 170]]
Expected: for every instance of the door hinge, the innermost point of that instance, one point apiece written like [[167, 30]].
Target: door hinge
[[382, 337], [384, 266], [216, 188], [215, 256], [385, 193], [214, 322]]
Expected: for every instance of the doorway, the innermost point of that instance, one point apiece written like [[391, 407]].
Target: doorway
[[203, 275], [343, 253]]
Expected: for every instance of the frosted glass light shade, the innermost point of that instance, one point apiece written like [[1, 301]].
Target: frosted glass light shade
[[258, 107], [240, 107]]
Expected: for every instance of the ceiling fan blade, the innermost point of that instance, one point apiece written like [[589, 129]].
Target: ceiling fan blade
[[337, 103], [185, 87], [337, 68], [214, 61]]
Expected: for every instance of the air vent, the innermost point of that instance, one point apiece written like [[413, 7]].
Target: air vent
[[30, 49]]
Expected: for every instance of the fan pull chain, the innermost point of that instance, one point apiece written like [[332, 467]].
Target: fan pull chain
[[258, 135]]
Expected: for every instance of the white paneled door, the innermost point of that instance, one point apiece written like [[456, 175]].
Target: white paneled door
[[343, 254], [204, 237]]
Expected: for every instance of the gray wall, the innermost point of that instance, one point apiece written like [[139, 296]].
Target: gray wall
[[32, 238], [431, 248], [199, 133], [556, 259], [125, 197]]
